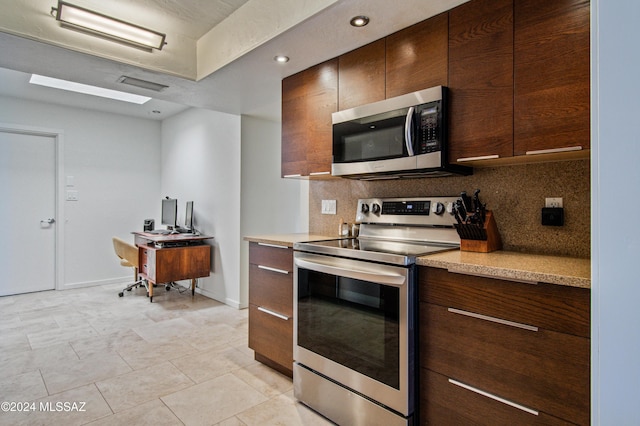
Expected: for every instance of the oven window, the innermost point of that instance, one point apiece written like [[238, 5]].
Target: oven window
[[354, 323]]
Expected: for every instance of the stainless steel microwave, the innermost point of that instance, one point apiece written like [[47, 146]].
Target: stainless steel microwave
[[405, 136]]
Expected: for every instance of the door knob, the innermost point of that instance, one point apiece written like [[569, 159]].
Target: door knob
[[48, 221]]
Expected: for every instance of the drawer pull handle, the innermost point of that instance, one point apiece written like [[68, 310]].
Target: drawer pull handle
[[275, 314], [319, 173], [494, 397], [484, 157], [493, 319], [293, 175], [555, 150], [268, 268], [273, 245]]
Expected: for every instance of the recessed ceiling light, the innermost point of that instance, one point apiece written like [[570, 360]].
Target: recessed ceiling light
[[359, 21], [87, 89], [281, 59]]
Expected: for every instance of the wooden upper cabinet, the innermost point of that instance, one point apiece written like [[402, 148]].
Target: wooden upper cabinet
[[361, 76], [293, 149], [481, 79], [321, 102], [552, 80], [417, 57], [308, 100]]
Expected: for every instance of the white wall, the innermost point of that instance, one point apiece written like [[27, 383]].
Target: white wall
[[201, 163], [115, 162], [270, 204], [615, 203]]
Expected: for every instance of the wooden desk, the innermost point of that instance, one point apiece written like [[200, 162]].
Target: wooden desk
[[172, 257]]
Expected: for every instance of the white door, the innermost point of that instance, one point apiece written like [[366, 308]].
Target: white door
[[27, 212]]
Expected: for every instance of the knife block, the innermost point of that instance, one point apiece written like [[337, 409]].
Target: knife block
[[480, 239]]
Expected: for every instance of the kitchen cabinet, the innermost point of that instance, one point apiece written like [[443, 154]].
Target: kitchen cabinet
[[417, 57], [481, 80], [502, 352], [552, 75], [271, 305], [308, 100], [361, 76]]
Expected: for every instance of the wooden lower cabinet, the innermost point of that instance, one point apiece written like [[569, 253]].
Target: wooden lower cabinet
[[499, 352], [163, 265], [271, 305]]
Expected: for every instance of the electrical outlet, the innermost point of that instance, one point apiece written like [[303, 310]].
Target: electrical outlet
[[553, 202], [328, 206], [72, 195]]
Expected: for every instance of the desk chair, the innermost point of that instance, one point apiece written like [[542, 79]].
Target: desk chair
[[128, 254]]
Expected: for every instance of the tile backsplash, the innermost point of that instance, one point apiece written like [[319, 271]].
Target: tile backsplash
[[516, 195]]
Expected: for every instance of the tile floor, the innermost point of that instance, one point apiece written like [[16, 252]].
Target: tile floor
[[86, 356]]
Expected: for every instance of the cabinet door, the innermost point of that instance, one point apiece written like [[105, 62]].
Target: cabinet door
[[552, 85], [481, 80], [417, 57], [308, 100], [294, 129], [361, 76], [321, 101]]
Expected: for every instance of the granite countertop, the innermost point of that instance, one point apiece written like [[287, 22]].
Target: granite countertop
[[509, 265], [516, 266], [287, 239]]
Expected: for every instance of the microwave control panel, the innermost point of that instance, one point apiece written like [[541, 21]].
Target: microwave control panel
[[429, 125]]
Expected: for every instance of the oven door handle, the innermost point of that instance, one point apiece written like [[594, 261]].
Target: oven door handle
[[375, 273]]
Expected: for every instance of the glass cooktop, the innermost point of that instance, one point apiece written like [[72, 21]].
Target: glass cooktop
[[387, 251]]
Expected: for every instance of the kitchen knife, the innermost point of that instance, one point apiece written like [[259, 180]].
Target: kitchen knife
[[456, 213], [462, 211], [466, 201]]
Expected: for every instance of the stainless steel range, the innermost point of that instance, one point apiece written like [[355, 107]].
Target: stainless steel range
[[355, 311]]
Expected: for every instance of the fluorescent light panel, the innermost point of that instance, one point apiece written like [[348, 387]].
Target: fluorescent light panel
[[87, 89], [94, 22]]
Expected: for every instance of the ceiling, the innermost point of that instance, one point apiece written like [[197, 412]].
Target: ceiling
[[219, 54]]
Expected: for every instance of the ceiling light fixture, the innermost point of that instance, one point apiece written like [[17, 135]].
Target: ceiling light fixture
[[87, 89], [281, 59], [359, 21], [101, 25]]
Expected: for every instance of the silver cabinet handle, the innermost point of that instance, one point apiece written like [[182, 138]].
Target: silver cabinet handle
[[275, 314], [493, 319], [268, 268], [293, 176], [273, 245], [319, 173], [554, 150], [484, 157], [494, 397]]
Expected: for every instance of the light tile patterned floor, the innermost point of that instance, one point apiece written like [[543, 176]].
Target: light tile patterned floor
[[86, 356]]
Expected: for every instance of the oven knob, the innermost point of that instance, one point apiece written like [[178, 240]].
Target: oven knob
[[450, 208], [365, 208], [375, 208], [437, 208]]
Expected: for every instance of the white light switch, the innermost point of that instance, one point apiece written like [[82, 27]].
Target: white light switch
[[328, 206], [71, 181], [72, 195]]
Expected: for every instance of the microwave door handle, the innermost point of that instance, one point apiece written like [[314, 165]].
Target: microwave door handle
[[408, 137]]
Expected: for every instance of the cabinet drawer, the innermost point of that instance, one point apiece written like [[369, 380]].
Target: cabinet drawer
[[271, 289], [271, 336], [549, 306], [450, 404], [541, 369], [271, 256]]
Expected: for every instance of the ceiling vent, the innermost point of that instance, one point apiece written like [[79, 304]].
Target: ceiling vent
[[142, 83]]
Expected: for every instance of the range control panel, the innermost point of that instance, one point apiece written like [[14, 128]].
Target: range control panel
[[427, 211]]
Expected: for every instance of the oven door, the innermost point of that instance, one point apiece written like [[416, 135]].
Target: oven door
[[354, 323]]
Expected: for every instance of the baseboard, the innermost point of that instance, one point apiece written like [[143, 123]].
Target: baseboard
[[82, 284]]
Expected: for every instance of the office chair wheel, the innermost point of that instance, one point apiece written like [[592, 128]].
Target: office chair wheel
[[167, 287], [129, 289], [121, 294]]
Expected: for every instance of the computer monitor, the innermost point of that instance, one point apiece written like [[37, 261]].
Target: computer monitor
[[169, 212], [188, 216]]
